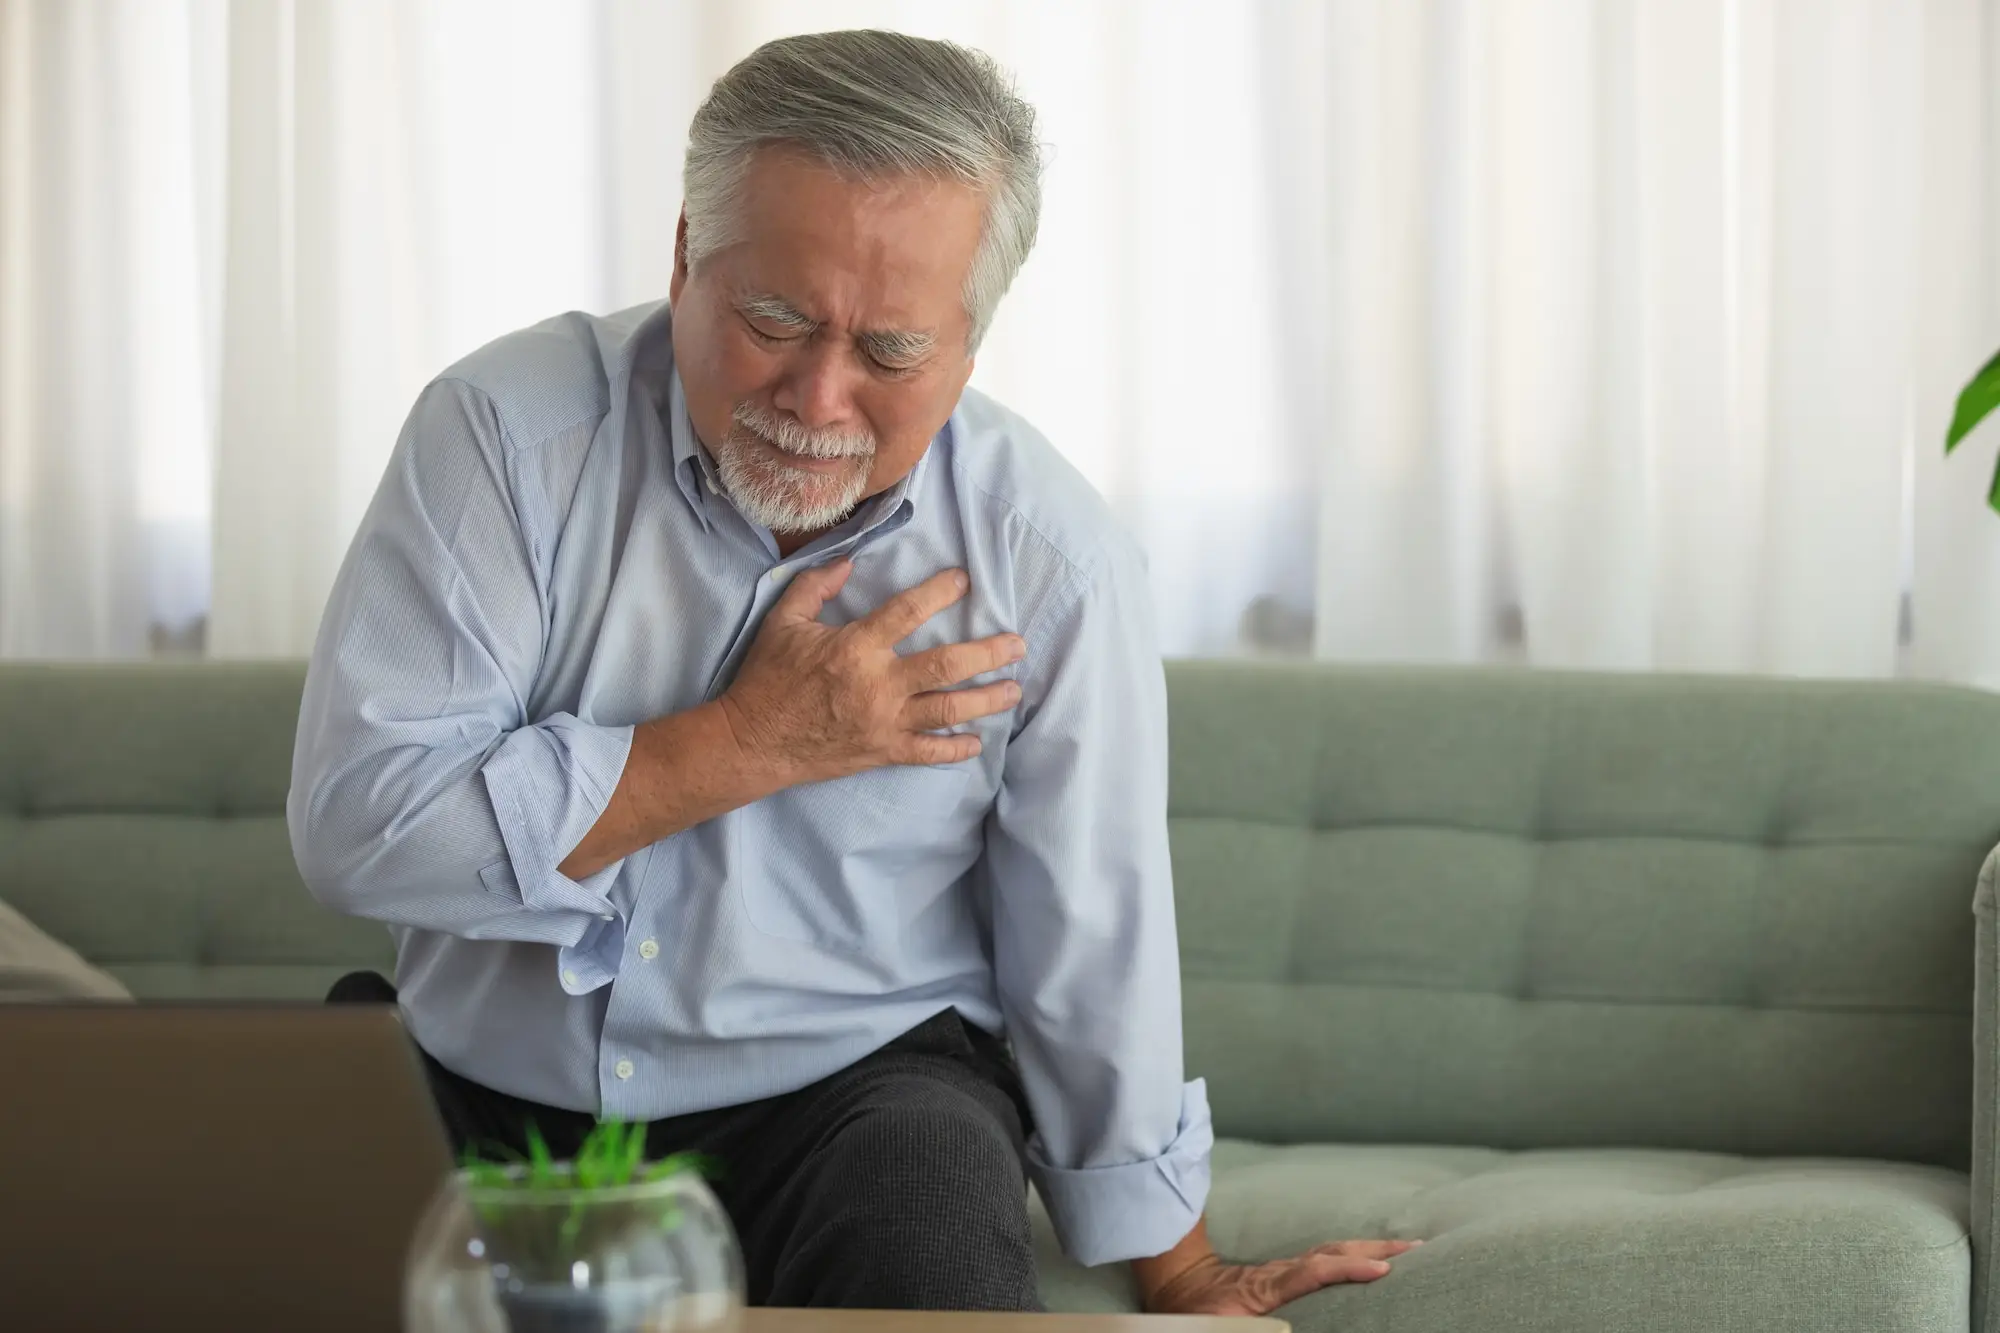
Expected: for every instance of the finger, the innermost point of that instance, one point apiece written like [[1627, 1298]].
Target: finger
[[1368, 1249], [937, 668], [1331, 1269], [1292, 1279], [948, 708], [810, 589], [899, 617], [925, 749]]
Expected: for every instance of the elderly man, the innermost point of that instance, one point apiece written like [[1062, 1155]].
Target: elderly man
[[747, 729]]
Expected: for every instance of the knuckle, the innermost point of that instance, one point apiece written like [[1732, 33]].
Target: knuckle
[[933, 670], [828, 676], [950, 666], [848, 655]]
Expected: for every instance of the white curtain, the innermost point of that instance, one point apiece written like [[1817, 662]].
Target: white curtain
[[110, 170], [1583, 332], [1644, 324]]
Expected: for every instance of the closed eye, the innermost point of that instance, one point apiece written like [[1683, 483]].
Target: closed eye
[[896, 354], [893, 372], [771, 339]]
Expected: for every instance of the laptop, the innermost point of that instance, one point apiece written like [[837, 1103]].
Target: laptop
[[212, 1167]]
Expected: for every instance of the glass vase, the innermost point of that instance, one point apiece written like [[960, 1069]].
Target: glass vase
[[647, 1258]]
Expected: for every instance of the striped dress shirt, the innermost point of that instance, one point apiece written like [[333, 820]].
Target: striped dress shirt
[[548, 561]]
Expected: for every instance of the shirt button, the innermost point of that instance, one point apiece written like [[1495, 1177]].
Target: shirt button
[[778, 574], [569, 977], [623, 1069], [649, 950]]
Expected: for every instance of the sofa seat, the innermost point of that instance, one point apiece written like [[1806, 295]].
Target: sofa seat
[[1588, 1241]]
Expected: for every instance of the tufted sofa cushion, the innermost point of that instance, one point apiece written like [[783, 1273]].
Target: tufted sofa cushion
[[1543, 910], [1725, 919], [142, 823], [1591, 1240]]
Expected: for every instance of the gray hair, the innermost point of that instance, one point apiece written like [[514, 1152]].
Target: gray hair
[[874, 104]]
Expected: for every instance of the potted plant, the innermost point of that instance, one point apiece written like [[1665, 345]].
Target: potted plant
[[605, 1242], [1974, 402]]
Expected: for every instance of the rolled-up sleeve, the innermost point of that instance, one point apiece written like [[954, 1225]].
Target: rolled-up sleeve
[[1085, 950], [422, 794]]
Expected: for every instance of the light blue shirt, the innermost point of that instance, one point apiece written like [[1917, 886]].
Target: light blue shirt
[[549, 561]]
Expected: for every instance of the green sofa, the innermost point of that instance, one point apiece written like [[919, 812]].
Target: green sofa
[[1651, 1003]]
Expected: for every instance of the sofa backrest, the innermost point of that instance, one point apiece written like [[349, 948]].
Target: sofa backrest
[[142, 822], [1538, 909], [1416, 906]]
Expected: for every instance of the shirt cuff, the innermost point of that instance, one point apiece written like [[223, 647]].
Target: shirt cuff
[[549, 783], [1137, 1209]]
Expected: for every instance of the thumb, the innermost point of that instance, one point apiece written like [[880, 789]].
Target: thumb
[[810, 590]]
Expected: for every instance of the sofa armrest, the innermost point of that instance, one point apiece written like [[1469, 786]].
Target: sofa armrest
[[1985, 1208]]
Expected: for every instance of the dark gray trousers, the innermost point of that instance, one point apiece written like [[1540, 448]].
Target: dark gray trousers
[[897, 1183]]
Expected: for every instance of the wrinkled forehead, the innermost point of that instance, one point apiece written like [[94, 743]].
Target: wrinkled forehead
[[877, 251]]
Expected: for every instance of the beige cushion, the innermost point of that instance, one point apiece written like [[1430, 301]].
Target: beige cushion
[[36, 967]]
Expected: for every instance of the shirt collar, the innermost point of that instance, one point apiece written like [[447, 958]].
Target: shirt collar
[[694, 470]]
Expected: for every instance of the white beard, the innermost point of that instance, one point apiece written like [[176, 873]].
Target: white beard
[[787, 499]]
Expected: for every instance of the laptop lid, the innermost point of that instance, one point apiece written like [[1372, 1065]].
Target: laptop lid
[[210, 1166]]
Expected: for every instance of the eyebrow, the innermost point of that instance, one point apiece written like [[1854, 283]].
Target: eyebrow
[[775, 310], [897, 346], [889, 346]]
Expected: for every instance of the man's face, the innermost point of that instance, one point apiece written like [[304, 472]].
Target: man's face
[[823, 349]]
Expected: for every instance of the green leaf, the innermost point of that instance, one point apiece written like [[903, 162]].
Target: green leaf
[[488, 1175], [541, 1163], [611, 1155], [682, 1162], [634, 1152], [1974, 402]]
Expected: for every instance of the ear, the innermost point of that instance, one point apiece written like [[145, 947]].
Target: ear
[[680, 260]]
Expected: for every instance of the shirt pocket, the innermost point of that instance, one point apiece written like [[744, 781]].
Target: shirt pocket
[[840, 865]]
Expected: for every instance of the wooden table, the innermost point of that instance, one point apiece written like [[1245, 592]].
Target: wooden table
[[915, 1321]]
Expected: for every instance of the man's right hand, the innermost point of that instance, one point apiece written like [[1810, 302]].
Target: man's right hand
[[811, 702], [823, 701]]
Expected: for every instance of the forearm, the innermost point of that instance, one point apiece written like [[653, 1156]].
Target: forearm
[[411, 825], [475, 847], [1153, 1275], [683, 768]]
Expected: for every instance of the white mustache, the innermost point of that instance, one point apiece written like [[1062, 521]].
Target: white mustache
[[793, 437]]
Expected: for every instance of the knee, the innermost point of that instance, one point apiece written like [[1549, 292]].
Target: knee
[[927, 1210], [949, 1151]]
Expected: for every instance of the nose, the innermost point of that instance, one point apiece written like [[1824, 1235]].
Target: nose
[[817, 387]]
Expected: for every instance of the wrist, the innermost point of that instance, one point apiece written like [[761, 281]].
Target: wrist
[[682, 768], [758, 765], [1156, 1275]]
